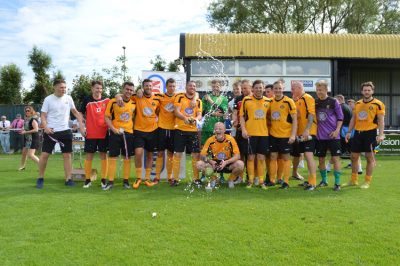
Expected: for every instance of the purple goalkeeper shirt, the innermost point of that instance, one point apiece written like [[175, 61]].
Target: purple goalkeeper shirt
[[329, 112]]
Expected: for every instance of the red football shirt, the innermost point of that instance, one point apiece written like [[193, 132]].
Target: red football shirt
[[96, 127]]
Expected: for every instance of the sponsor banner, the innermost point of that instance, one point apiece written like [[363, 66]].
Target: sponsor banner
[[204, 83], [390, 145], [159, 79]]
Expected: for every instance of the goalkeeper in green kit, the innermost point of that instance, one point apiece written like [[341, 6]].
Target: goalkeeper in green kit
[[214, 107]]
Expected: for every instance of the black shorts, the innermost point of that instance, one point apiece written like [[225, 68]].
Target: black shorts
[[242, 142], [364, 141], [225, 169], [279, 145], [93, 145], [333, 145], [188, 140], [304, 146], [64, 138], [165, 139], [116, 145], [258, 145], [146, 140]]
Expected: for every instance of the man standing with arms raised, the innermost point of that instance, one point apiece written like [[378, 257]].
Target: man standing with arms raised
[[94, 108], [186, 117], [54, 119], [368, 116]]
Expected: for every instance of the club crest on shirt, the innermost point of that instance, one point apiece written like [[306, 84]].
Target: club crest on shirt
[[322, 116], [259, 114], [371, 107], [362, 115], [276, 115], [221, 156], [282, 106], [124, 116], [169, 107], [147, 111], [189, 111]]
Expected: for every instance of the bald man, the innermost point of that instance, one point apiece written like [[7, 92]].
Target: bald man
[[306, 132], [221, 153]]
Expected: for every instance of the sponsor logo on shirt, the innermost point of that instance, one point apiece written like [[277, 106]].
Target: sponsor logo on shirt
[[259, 114], [124, 116], [147, 111], [362, 115], [189, 111], [221, 156], [276, 115], [322, 116], [169, 107]]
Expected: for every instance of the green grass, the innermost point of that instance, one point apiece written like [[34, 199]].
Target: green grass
[[73, 226]]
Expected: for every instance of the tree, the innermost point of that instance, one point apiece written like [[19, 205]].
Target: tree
[[115, 76], [40, 62], [57, 75], [10, 84], [160, 64], [174, 66], [81, 86], [302, 16]]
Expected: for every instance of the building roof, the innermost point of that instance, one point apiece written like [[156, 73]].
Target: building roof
[[258, 45]]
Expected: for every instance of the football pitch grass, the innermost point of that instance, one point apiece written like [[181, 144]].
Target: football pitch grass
[[61, 225]]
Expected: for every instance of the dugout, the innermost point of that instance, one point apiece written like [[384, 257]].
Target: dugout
[[344, 60]]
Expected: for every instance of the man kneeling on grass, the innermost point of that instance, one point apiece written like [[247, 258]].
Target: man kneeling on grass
[[221, 154]]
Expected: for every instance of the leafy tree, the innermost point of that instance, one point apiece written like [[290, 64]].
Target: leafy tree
[[317, 16], [40, 62], [10, 84], [115, 76], [57, 75], [159, 63], [173, 66]]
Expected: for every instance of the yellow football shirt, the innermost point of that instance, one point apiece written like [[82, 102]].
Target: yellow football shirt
[[121, 117], [220, 150], [182, 101], [281, 119], [305, 105], [166, 117], [366, 114], [146, 113], [255, 112]]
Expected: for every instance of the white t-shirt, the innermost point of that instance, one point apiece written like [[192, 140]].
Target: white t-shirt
[[58, 109], [3, 125]]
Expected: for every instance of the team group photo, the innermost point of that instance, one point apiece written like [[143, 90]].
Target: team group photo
[[209, 132]]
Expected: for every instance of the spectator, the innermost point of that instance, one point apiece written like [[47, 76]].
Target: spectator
[[18, 125], [5, 134], [30, 136]]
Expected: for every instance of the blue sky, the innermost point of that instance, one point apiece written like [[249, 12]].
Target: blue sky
[[82, 35]]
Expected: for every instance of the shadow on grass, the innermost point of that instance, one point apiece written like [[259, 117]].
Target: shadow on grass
[[163, 192]]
